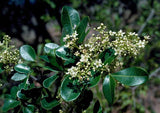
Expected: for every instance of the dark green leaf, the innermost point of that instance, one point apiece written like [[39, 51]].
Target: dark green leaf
[[45, 58], [27, 53], [97, 107], [54, 60], [68, 93], [109, 56], [18, 77], [20, 95], [94, 81], [108, 89], [81, 30], [28, 109], [49, 105], [70, 18], [22, 68], [14, 91], [1, 70], [9, 104], [24, 84], [50, 47], [131, 76], [49, 81]]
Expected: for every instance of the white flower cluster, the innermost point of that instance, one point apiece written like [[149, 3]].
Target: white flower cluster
[[9, 55], [122, 43], [70, 40]]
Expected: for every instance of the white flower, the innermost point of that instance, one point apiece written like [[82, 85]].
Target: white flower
[[84, 58]]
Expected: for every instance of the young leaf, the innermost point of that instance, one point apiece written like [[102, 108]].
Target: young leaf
[[49, 81], [108, 89], [27, 53], [28, 109], [22, 68], [131, 76], [49, 47], [49, 105], [70, 19], [68, 93], [81, 30], [9, 104], [18, 77]]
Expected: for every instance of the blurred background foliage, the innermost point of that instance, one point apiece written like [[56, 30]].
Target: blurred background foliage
[[36, 22]]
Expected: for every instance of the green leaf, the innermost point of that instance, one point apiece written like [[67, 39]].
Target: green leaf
[[45, 58], [1, 70], [20, 95], [108, 89], [27, 53], [14, 91], [68, 93], [22, 68], [49, 105], [50, 47], [131, 76], [81, 30], [24, 85], [69, 18], [28, 109], [97, 107], [54, 60], [64, 53], [9, 104], [49, 81], [94, 79], [109, 56], [18, 77]]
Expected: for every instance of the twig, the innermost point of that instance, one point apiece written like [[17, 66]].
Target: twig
[[148, 19], [155, 73]]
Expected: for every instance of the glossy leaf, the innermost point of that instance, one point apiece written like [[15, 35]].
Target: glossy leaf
[[69, 19], [131, 76], [108, 89], [63, 53], [9, 104], [49, 81], [27, 53], [20, 95], [49, 105], [49, 47], [28, 109], [68, 93], [18, 77], [81, 30], [22, 68]]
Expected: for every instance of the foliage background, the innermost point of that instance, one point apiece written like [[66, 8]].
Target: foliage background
[[36, 22]]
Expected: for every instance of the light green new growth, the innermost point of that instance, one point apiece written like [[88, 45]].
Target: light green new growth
[[9, 55], [123, 44]]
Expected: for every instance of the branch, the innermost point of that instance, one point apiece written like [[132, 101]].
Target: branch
[[148, 19]]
